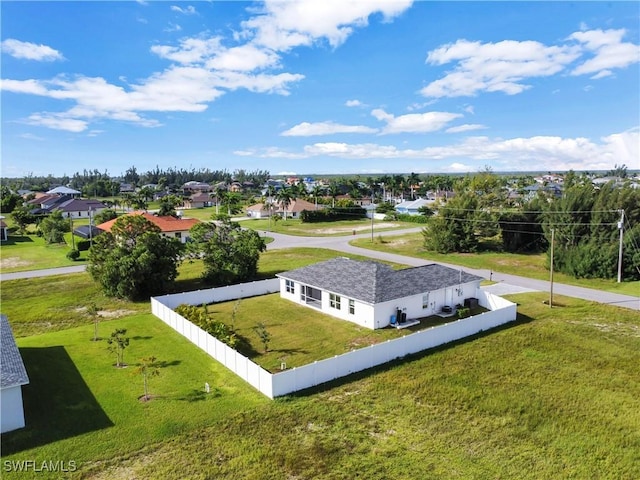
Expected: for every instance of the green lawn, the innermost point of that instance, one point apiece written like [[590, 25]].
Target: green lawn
[[30, 252], [532, 266], [555, 395], [289, 342]]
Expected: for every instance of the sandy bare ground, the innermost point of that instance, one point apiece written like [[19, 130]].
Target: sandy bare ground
[[13, 262]]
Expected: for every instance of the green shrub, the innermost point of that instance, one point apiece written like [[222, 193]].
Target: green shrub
[[73, 255], [83, 245], [332, 214], [199, 316]]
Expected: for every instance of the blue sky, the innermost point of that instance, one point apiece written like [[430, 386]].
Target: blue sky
[[334, 87]]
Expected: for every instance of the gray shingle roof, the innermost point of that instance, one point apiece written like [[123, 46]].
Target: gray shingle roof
[[12, 371], [374, 282]]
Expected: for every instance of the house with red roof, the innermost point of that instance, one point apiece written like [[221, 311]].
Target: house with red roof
[[171, 227]]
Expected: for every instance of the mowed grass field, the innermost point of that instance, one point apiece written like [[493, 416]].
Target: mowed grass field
[[531, 266], [554, 395]]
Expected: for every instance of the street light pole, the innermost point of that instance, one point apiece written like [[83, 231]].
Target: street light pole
[[621, 228], [553, 231]]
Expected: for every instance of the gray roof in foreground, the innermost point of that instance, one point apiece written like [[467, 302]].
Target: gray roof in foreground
[[374, 282], [12, 371]]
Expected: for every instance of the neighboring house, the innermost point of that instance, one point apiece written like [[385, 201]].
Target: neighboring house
[[198, 200], [4, 231], [127, 188], [236, 187], [13, 376], [370, 293], [295, 208], [70, 206], [194, 186], [79, 208], [43, 204], [261, 210], [171, 227], [87, 232], [361, 202], [550, 190], [63, 191], [412, 207]]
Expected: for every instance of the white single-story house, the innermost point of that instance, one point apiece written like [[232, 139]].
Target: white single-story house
[[412, 207], [79, 208], [293, 210], [171, 227], [12, 376], [374, 295]]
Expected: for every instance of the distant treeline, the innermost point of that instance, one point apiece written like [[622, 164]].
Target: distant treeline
[[96, 183]]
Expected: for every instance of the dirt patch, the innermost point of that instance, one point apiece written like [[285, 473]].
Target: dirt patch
[[623, 329], [115, 313], [146, 398], [108, 314], [13, 262]]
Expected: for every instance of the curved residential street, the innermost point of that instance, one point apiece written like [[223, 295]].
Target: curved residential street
[[505, 283]]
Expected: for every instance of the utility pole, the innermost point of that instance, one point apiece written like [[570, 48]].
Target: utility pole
[[621, 228], [373, 214], [553, 232]]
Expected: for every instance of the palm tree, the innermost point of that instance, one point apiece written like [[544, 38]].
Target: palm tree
[[317, 190], [334, 191], [285, 196], [414, 179]]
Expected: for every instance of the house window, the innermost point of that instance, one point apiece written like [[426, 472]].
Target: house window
[[289, 286], [178, 234], [334, 301], [425, 300], [352, 306]]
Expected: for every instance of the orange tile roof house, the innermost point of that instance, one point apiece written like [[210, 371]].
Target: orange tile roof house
[[169, 226]]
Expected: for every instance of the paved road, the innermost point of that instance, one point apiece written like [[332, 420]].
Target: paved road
[[341, 244], [42, 273]]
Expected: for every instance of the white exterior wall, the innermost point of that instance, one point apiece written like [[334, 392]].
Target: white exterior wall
[[363, 312], [379, 316], [11, 409]]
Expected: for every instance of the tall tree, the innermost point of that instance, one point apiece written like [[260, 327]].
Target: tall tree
[[230, 254], [133, 260], [53, 227]]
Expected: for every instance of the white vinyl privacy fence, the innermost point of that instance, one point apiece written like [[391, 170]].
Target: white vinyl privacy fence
[[282, 383]]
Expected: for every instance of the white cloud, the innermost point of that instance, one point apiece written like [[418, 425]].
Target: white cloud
[[31, 136], [504, 66], [465, 128], [516, 154], [284, 25], [459, 167], [306, 129], [609, 52], [469, 109], [353, 103], [244, 58], [414, 122], [57, 122], [189, 10], [30, 51], [173, 27], [204, 68], [495, 67]]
